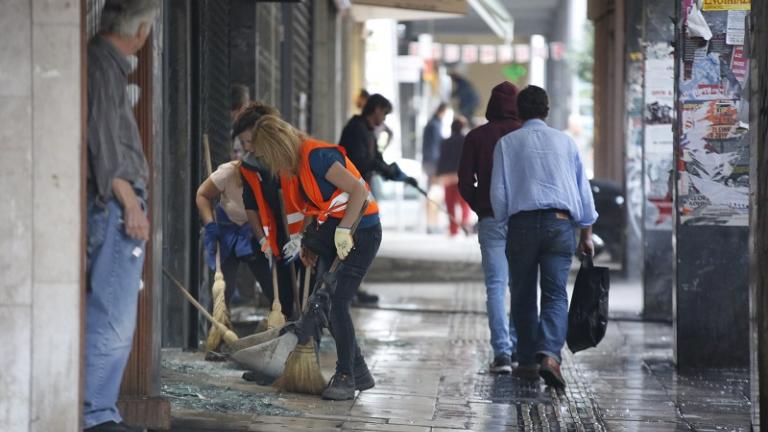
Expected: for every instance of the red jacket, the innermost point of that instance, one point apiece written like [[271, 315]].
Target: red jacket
[[477, 154]]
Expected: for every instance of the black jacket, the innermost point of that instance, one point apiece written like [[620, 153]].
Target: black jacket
[[358, 140]]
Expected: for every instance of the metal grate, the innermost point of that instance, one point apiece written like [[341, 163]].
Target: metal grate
[[268, 37], [214, 33], [301, 63]]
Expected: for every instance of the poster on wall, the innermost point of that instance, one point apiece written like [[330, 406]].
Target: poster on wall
[[659, 137], [713, 148]]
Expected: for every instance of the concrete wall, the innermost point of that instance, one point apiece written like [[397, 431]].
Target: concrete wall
[[40, 221]]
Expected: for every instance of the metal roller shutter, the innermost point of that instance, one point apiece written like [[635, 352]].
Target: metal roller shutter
[[297, 55], [214, 78]]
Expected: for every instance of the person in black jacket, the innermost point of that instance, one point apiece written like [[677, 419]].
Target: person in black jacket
[[359, 140]]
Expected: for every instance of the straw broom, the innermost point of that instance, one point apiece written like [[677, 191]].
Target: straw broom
[[220, 312], [228, 335], [302, 369], [275, 318], [302, 372]]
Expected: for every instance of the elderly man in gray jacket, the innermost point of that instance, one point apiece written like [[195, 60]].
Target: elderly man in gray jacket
[[117, 223]]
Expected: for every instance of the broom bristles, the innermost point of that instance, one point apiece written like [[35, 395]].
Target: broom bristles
[[275, 318], [302, 372]]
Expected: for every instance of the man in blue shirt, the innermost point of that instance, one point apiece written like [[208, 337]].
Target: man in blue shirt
[[539, 187]]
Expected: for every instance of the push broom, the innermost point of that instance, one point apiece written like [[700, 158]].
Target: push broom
[[302, 370], [220, 312]]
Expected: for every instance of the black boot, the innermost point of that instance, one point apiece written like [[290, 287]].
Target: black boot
[[363, 378], [341, 387]]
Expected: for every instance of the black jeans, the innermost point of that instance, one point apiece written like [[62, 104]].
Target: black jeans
[[348, 278], [259, 266]]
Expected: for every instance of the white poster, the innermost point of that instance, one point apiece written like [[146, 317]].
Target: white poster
[[734, 35]]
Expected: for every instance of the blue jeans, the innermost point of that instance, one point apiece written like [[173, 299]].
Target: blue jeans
[[493, 243], [539, 242], [114, 264]]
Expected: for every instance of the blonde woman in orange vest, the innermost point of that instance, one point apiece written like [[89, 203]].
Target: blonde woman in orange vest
[[240, 236], [333, 194]]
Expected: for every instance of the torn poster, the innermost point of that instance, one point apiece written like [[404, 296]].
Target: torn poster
[[736, 29], [714, 164], [739, 64], [658, 155]]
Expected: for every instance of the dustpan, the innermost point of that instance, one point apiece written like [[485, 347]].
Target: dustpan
[[268, 357]]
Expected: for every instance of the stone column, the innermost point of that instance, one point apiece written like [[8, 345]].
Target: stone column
[[759, 215], [712, 198], [41, 224]]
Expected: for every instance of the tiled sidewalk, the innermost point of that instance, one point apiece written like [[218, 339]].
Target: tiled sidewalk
[[430, 363]]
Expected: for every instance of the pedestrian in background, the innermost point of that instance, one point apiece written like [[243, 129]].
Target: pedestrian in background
[[118, 227], [539, 187], [431, 140], [430, 153], [447, 172], [467, 96], [474, 186], [359, 140]]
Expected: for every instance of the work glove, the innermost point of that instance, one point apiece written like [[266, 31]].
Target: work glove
[[266, 249], [210, 241], [291, 249], [343, 241]]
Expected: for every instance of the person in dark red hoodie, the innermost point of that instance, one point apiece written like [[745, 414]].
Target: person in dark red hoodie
[[474, 186]]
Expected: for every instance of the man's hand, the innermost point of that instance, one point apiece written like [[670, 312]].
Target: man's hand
[[136, 222], [586, 245], [308, 258]]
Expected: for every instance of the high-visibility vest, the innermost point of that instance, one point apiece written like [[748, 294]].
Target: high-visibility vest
[[336, 205], [289, 187]]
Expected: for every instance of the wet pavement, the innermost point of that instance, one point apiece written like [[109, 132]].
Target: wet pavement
[[427, 346]]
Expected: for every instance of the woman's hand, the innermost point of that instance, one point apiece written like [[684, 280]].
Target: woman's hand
[[344, 242]]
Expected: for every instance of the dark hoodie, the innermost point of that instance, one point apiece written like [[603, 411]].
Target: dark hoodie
[[477, 154]]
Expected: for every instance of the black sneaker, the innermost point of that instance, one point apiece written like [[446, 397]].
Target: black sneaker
[[502, 364], [363, 378], [341, 387], [111, 426], [365, 298]]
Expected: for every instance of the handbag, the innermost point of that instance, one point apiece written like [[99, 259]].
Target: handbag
[[588, 313]]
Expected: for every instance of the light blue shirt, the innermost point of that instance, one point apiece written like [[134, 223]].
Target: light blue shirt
[[537, 167]]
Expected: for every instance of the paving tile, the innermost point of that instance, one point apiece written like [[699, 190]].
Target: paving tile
[[378, 427], [431, 372], [386, 405]]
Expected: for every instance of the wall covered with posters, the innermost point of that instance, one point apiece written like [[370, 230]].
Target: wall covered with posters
[[713, 152]]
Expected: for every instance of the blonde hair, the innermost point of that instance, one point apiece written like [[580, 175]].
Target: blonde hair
[[276, 143]]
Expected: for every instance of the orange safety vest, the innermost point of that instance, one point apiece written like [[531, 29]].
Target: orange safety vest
[[336, 206], [290, 192]]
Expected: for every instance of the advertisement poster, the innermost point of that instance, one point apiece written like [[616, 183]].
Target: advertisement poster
[[659, 137], [713, 157], [726, 5]]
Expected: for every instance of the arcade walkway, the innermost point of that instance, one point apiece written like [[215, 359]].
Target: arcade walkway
[[427, 348]]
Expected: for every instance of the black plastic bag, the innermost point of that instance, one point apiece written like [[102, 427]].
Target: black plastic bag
[[588, 314]]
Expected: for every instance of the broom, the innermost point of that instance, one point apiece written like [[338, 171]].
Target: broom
[[228, 335], [219, 287], [302, 370], [275, 318]]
